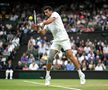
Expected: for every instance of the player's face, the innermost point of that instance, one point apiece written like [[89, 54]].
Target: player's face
[[47, 12]]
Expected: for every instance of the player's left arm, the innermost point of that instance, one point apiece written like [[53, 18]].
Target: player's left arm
[[41, 25], [42, 31], [46, 22], [49, 20], [39, 29]]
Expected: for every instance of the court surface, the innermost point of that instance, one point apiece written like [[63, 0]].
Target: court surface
[[56, 84]]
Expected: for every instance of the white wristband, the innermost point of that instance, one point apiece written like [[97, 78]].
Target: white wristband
[[40, 29], [41, 24]]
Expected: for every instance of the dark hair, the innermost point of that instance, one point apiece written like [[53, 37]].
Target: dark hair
[[47, 7]]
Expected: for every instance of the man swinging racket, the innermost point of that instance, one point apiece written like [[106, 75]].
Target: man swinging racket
[[61, 40]]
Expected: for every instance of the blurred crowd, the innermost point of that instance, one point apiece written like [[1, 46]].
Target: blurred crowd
[[92, 55], [78, 16], [86, 16]]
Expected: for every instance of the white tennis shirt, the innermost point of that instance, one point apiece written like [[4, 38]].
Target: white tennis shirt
[[57, 28]]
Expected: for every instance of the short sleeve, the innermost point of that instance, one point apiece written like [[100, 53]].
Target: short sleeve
[[54, 14]]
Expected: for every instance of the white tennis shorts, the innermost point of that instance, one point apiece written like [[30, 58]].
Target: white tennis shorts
[[65, 44]]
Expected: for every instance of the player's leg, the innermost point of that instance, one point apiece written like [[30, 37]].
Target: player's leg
[[67, 47], [74, 60], [54, 49], [51, 56], [70, 55], [52, 53]]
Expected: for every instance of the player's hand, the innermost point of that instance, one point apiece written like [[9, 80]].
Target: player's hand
[[39, 29], [41, 24], [34, 27]]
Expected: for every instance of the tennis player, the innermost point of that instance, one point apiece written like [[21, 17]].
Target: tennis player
[[54, 24]]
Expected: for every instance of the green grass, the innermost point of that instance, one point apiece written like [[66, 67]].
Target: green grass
[[56, 84]]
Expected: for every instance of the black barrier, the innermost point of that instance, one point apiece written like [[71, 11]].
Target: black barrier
[[56, 74]]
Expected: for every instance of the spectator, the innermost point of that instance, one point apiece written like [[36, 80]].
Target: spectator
[[42, 49], [24, 58], [105, 51], [1, 63], [9, 69], [84, 65], [100, 66], [33, 66], [69, 66], [30, 46], [44, 58], [25, 68], [91, 65], [33, 41], [57, 63], [19, 66], [31, 58], [87, 49]]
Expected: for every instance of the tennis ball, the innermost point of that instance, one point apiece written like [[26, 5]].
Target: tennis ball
[[30, 18]]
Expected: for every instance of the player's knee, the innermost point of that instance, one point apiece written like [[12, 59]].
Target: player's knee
[[69, 55], [50, 60], [51, 56]]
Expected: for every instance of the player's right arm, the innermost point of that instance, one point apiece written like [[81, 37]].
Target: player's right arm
[[39, 29], [42, 31]]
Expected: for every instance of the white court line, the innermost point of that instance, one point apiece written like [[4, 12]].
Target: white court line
[[59, 86]]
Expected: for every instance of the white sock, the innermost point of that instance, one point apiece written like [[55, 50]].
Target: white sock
[[79, 71], [47, 73]]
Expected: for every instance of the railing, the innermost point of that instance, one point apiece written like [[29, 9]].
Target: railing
[[56, 74]]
